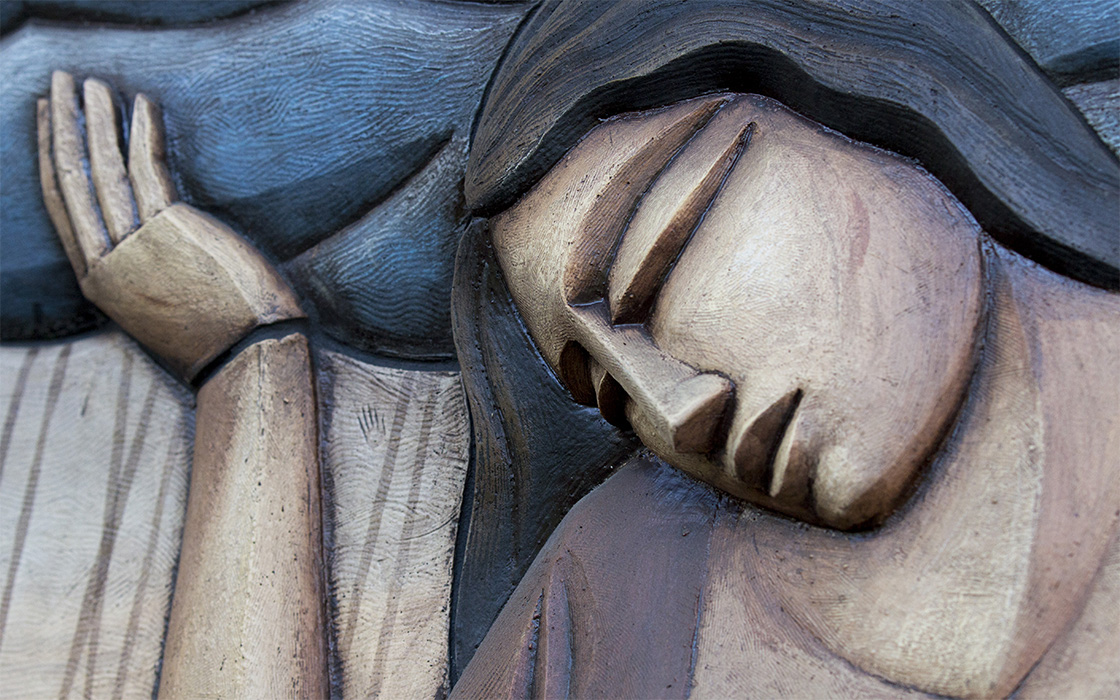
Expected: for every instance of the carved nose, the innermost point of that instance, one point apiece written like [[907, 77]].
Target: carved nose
[[683, 405]]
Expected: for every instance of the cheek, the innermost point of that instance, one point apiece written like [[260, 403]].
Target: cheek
[[858, 288]]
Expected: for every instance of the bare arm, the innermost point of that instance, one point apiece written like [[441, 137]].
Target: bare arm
[[247, 618]]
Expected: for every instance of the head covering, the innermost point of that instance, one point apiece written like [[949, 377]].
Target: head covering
[[939, 82]]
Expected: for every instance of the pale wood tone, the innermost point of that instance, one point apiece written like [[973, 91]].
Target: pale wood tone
[[775, 259], [396, 447], [670, 212], [1008, 552], [183, 283], [188, 288], [52, 195], [670, 399], [248, 617], [106, 163], [69, 152], [555, 245], [94, 462], [839, 270], [1083, 663], [147, 170]]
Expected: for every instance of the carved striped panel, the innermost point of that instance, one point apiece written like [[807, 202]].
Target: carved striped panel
[[395, 451], [94, 459]]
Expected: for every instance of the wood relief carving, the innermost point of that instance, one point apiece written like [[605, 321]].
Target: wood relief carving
[[571, 348]]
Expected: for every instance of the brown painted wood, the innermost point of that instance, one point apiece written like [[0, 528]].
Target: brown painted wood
[[249, 616], [535, 452], [396, 443], [94, 463], [609, 607]]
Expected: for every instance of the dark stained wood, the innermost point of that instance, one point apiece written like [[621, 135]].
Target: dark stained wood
[[536, 452], [611, 605], [939, 82]]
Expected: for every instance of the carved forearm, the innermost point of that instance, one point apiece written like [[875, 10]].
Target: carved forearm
[[247, 618]]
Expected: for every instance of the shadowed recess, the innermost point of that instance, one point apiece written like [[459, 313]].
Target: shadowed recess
[[940, 82], [151, 12], [536, 451]]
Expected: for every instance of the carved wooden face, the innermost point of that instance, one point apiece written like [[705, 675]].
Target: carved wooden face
[[775, 309]]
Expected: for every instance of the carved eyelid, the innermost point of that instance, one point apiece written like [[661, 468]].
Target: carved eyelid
[[605, 223], [683, 405], [671, 210]]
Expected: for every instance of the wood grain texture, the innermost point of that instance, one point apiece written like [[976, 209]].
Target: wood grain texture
[[1070, 39], [94, 462], [769, 350], [381, 285], [1000, 554], [999, 575], [535, 451], [249, 614], [218, 289], [1100, 103], [288, 150], [899, 75], [395, 453], [609, 607]]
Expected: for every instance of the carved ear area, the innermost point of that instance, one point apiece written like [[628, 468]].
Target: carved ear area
[[672, 209]]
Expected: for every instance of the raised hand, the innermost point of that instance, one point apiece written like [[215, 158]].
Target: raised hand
[[179, 281]]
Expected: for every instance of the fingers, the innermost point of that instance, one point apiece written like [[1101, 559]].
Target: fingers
[[69, 153], [52, 197], [106, 162], [151, 182]]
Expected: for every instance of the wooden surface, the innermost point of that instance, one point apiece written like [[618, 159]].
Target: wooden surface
[[861, 312], [395, 451], [94, 462], [1004, 553], [999, 575], [249, 614], [896, 74], [767, 281], [286, 150], [179, 281], [535, 451]]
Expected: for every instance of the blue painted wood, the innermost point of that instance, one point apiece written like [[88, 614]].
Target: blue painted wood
[[290, 123], [383, 285], [1072, 40], [154, 12]]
